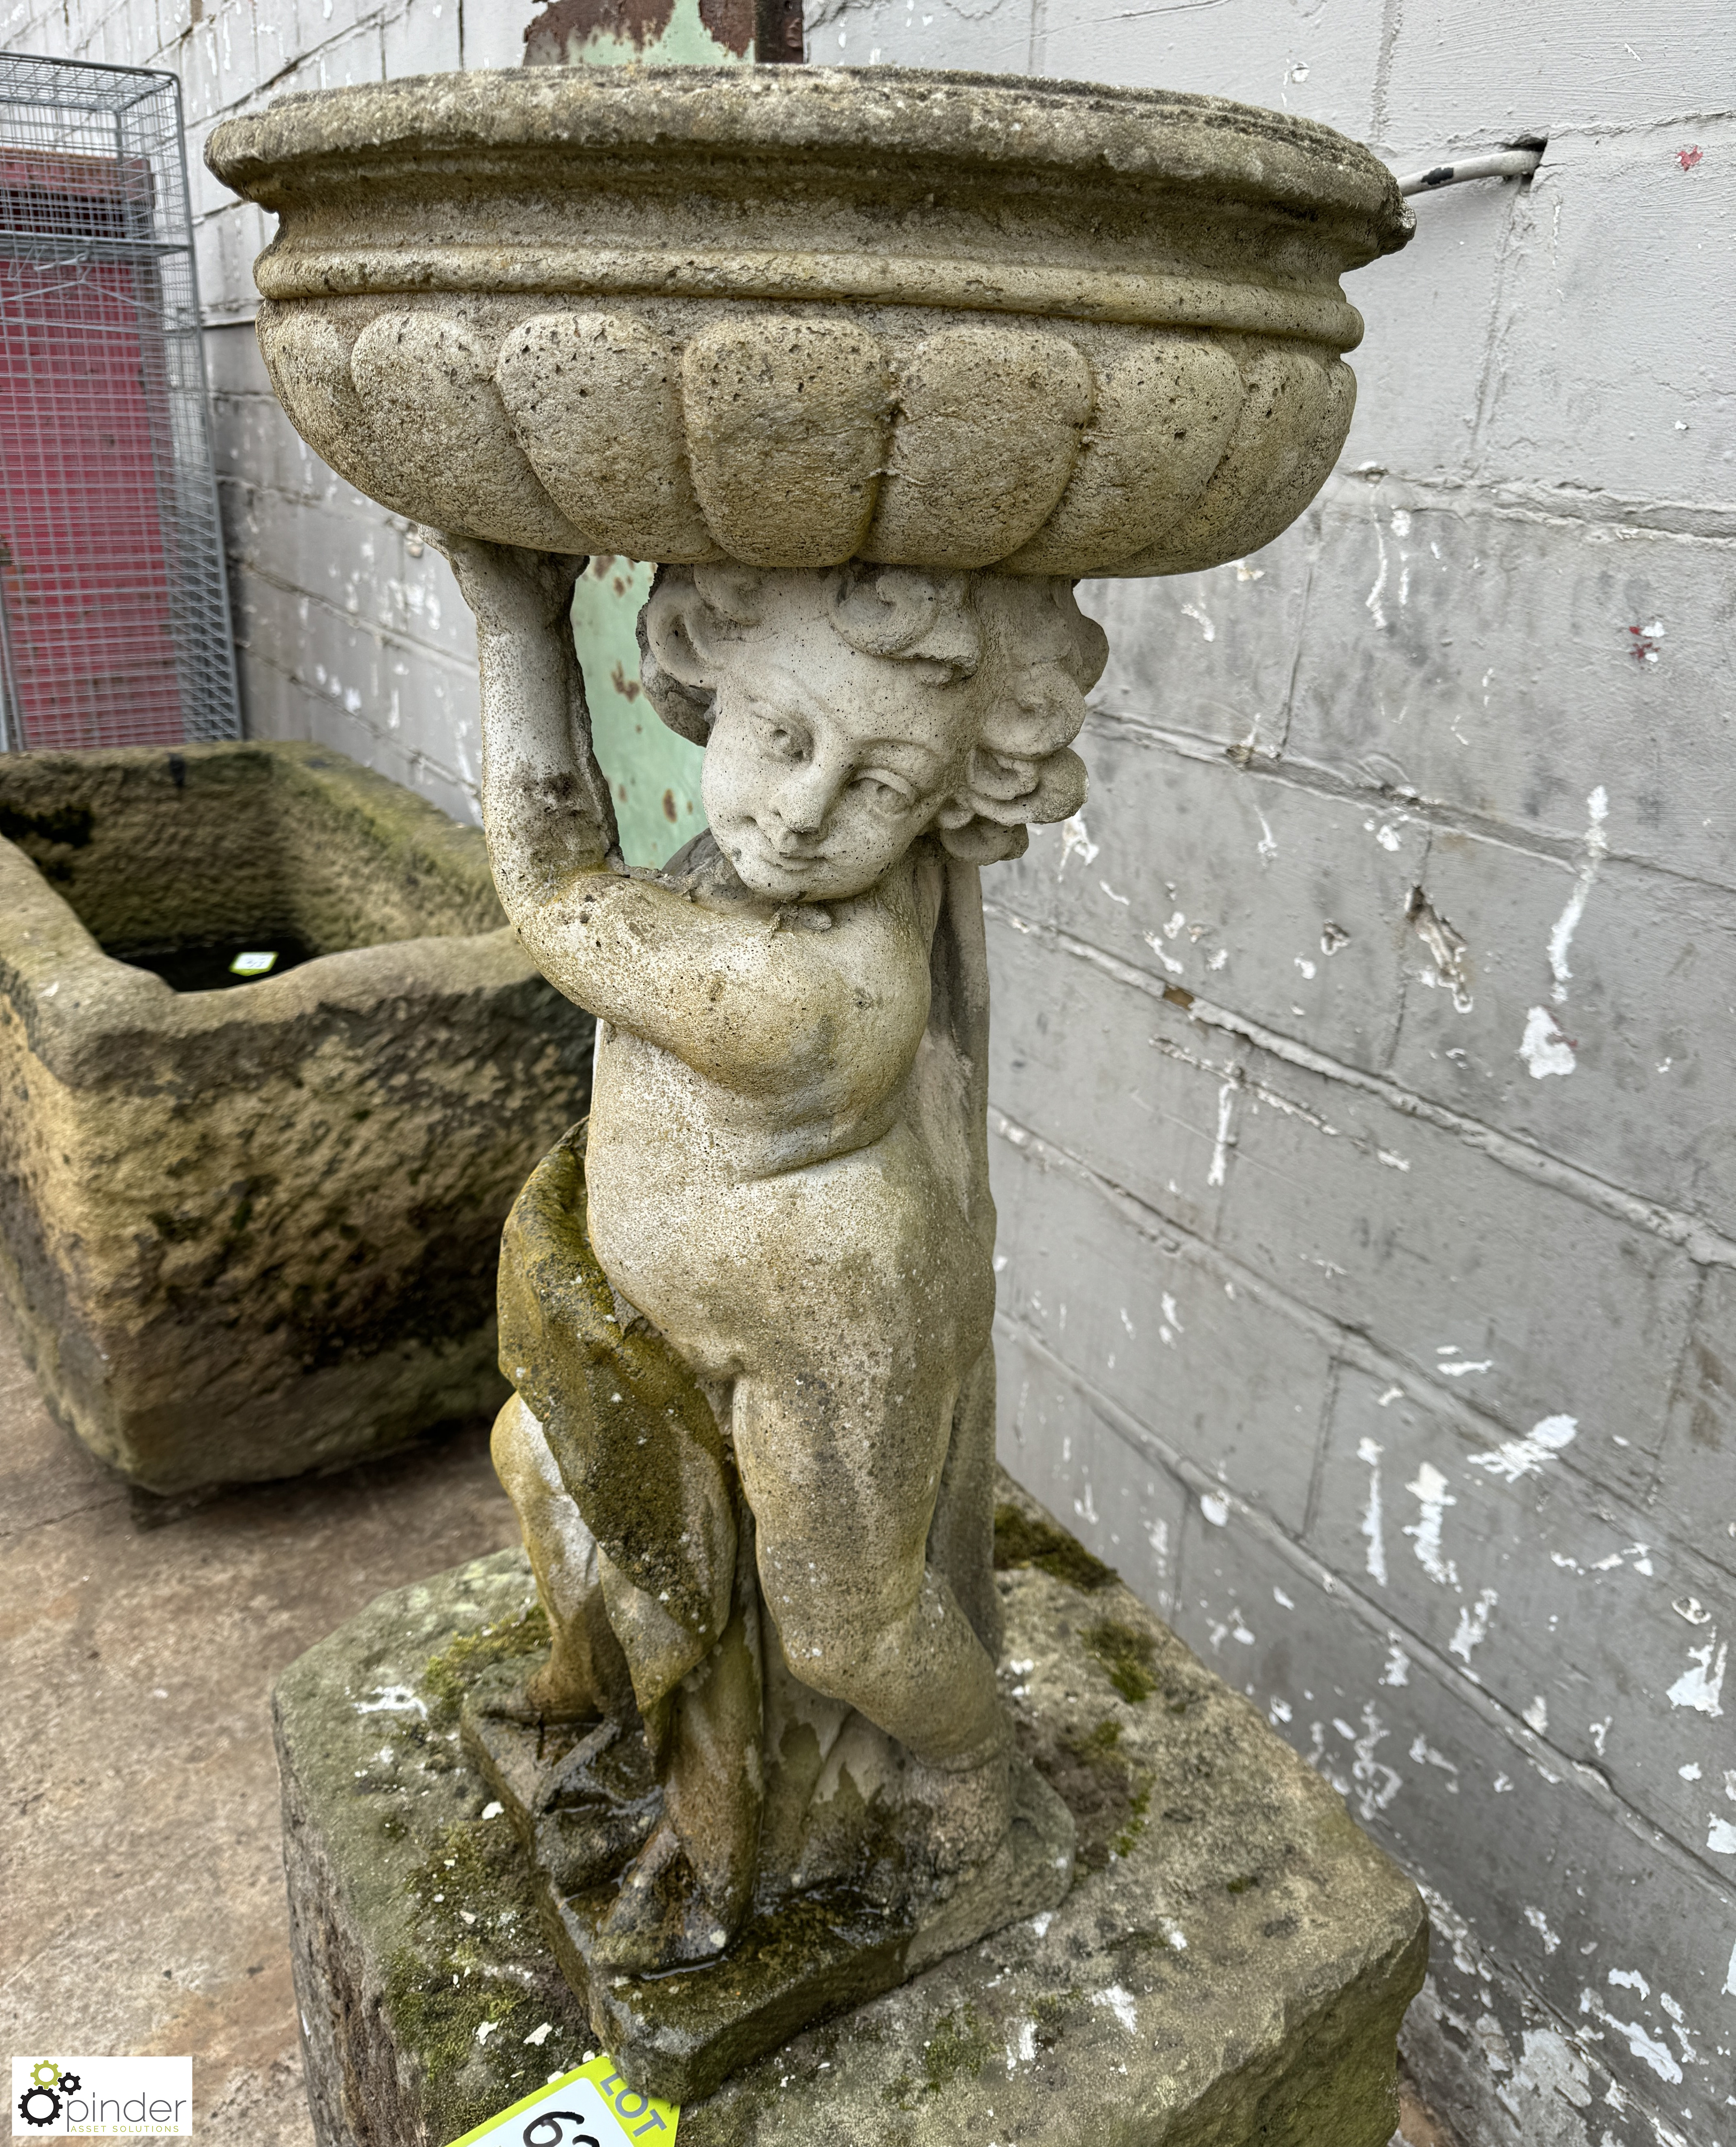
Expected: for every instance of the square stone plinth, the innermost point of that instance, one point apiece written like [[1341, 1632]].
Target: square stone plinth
[[252, 1230], [1230, 1967]]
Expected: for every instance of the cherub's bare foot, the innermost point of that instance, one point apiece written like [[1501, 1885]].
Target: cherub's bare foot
[[559, 1697], [965, 1811], [662, 1918], [547, 1697]]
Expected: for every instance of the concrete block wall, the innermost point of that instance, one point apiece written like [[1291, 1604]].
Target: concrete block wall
[[348, 630], [1362, 1059]]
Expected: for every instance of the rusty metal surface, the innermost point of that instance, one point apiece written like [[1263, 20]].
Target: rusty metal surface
[[574, 32]]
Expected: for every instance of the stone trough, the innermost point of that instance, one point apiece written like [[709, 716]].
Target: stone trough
[[251, 1231]]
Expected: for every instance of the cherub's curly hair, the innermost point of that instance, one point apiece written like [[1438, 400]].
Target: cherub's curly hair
[[1020, 769]]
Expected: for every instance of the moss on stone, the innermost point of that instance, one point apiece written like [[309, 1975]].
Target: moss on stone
[[960, 2045], [1020, 1540], [1052, 2012], [462, 2022], [448, 1675], [1108, 1794], [959, 2048], [1130, 1657], [1138, 1804]]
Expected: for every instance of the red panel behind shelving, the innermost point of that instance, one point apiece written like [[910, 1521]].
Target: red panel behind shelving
[[84, 571]]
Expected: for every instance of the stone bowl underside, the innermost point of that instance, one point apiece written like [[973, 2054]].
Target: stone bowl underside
[[796, 316]]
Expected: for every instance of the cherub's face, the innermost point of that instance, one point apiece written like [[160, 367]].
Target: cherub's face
[[824, 765]]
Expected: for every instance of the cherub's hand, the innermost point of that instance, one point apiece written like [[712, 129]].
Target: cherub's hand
[[511, 590]]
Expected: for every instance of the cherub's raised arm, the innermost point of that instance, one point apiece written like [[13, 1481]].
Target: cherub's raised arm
[[546, 805], [737, 998]]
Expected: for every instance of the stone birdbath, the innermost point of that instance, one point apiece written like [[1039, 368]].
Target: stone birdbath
[[875, 365]]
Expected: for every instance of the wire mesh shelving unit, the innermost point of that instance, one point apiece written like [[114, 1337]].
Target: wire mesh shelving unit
[[114, 610]]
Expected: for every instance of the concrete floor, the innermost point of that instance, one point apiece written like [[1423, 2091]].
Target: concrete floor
[[143, 1906]]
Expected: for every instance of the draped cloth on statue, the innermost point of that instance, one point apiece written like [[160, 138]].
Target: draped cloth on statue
[[635, 1439]]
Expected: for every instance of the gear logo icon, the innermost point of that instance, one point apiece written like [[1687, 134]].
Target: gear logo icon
[[42, 2102], [39, 2106]]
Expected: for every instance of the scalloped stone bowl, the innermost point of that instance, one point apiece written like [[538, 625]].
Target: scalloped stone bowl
[[795, 316]]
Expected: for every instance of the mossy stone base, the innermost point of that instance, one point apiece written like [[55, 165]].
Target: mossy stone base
[[680, 2035], [1230, 1967]]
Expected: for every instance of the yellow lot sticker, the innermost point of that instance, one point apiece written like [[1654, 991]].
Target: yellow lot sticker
[[593, 2107]]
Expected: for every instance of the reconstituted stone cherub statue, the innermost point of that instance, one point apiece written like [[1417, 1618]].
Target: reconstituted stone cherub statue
[[747, 1311]]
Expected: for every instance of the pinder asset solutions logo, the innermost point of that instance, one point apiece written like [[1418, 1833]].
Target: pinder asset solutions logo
[[101, 2098]]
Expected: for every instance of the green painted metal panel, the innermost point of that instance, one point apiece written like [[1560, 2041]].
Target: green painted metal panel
[[654, 774], [563, 37]]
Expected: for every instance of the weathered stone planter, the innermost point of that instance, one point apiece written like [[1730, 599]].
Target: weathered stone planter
[[250, 1232]]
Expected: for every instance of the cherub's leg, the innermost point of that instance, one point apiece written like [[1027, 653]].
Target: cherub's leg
[[841, 1465], [690, 1886], [585, 1672]]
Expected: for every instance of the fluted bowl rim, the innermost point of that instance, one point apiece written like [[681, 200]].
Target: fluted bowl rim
[[1011, 128]]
